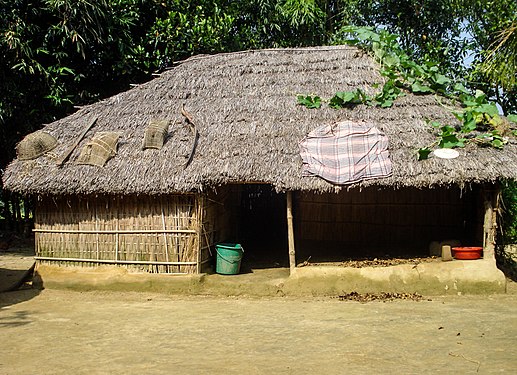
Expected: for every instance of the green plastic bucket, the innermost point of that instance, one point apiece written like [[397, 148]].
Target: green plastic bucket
[[229, 256]]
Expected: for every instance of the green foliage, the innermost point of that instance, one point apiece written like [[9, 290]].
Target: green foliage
[[428, 30], [309, 101], [302, 12], [423, 153], [480, 118], [387, 96], [418, 88], [383, 99], [344, 99], [448, 138], [481, 123], [397, 66], [184, 31], [510, 212], [493, 45]]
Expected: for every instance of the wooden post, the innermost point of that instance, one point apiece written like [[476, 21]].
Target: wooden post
[[117, 230], [290, 232], [165, 234], [491, 198], [199, 231]]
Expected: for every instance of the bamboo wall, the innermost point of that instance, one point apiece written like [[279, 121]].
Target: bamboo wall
[[378, 222], [178, 233], [143, 233]]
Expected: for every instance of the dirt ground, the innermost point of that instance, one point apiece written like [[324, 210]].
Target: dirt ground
[[16, 260], [66, 332]]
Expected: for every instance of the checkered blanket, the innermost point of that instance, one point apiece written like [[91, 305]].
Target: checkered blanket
[[345, 153]]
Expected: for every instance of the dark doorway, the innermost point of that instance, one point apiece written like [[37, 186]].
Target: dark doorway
[[263, 227]]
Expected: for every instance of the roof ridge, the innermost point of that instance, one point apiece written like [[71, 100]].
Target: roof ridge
[[243, 52]]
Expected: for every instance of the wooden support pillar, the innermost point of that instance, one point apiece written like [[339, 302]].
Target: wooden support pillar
[[492, 198], [290, 232], [199, 231]]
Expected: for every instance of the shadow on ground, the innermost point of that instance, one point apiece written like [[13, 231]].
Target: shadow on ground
[[16, 270], [14, 297]]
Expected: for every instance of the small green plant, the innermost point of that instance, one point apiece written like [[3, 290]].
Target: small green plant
[[309, 101], [344, 99]]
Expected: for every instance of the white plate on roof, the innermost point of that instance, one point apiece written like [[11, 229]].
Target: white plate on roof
[[446, 153]]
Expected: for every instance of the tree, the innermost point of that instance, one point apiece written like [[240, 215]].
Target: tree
[[54, 53], [491, 26]]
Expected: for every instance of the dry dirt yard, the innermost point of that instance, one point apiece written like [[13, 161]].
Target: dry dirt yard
[[65, 332]]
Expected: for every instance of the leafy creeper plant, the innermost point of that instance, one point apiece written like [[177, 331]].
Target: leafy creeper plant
[[480, 120]]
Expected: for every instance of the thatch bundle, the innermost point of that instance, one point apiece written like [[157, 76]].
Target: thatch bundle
[[155, 134], [35, 145], [244, 107], [101, 148]]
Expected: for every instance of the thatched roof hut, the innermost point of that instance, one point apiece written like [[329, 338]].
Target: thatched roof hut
[[244, 107]]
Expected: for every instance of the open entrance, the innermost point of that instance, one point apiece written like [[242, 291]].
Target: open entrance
[[263, 227], [255, 217], [384, 224], [350, 225]]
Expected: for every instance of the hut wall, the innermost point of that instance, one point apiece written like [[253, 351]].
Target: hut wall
[[138, 232], [376, 222]]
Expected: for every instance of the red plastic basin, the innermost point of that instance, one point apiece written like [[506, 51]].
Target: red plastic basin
[[467, 253]]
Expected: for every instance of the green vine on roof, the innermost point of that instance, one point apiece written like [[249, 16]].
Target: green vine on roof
[[480, 120]]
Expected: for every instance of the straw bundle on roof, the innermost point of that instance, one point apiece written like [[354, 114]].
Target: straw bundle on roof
[[101, 148], [244, 107]]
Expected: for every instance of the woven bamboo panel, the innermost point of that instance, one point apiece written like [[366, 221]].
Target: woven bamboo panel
[[101, 148], [155, 134], [121, 229]]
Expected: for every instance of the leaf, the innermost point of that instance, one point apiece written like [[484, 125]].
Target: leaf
[[489, 109], [391, 60], [441, 80], [458, 87], [64, 70], [469, 101], [459, 115], [451, 141], [423, 153], [389, 73], [512, 118], [479, 94], [309, 101], [497, 143], [386, 103], [419, 87], [447, 130], [345, 98], [469, 122]]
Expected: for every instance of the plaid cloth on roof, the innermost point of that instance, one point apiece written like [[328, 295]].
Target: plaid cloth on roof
[[346, 152]]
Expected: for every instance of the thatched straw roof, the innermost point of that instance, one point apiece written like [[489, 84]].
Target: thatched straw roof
[[244, 106]]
